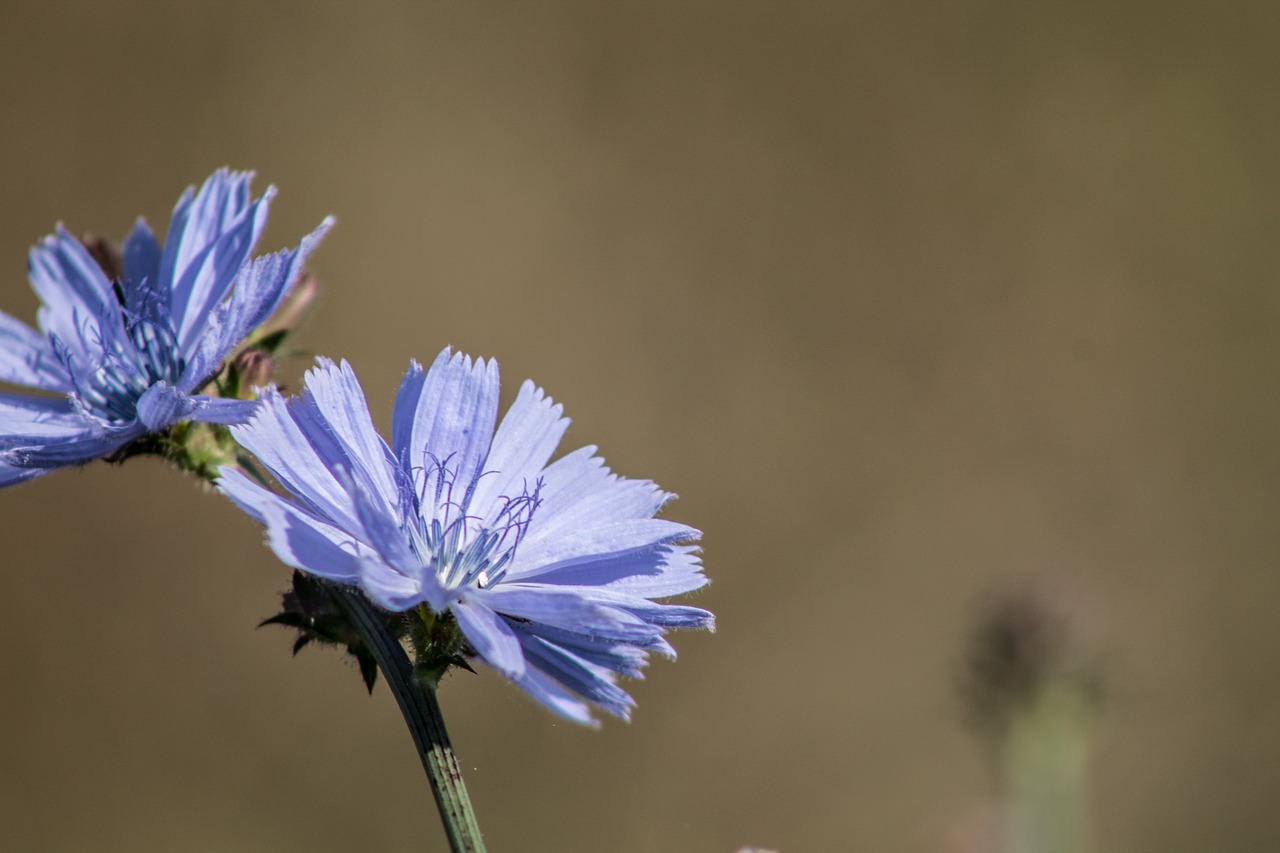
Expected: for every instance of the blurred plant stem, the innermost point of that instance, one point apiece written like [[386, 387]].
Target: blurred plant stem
[[1043, 774], [1032, 691]]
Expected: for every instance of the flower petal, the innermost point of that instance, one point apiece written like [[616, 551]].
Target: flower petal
[[33, 420], [144, 293], [333, 403], [261, 287], [540, 553], [77, 296], [579, 492], [279, 443], [525, 440], [27, 359], [303, 542], [210, 238], [587, 679], [75, 452], [387, 587], [402, 415], [162, 405], [569, 611], [553, 696], [220, 410], [489, 635], [454, 416], [648, 572]]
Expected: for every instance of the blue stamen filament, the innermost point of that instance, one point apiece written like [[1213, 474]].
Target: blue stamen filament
[[461, 549], [133, 358]]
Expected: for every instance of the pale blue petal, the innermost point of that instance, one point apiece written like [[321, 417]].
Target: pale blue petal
[[551, 695], [75, 452], [303, 542], [221, 410], [32, 420], [623, 658], [9, 475], [453, 421], [587, 679], [650, 572], [579, 492], [489, 635], [261, 287], [280, 444], [332, 396], [540, 553], [210, 238], [525, 440], [664, 615], [388, 588], [27, 359], [338, 557], [162, 405], [76, 294], [402, 415], [569, 611], [144, 293]]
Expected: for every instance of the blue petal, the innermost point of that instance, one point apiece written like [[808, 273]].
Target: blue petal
[[541, 553], [579, 492], [36, 420], [569, 611], [647, 572], [402, 415], [333, 403], [382, 532], [303, 542], [587, 679], [162, 405], [337, 557], [10, 475], [75, 452], [525, 440], [210, 238], [489, 635], [387, 587], [76, 294], [454, 417], [620, 657], [220, 410], [556, 698], [261, 287], [276, 439], [144, 293], [27, 359]]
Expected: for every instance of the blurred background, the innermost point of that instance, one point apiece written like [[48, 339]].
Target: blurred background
[[911, 303]]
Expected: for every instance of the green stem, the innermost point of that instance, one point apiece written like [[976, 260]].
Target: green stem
[[421, 711]]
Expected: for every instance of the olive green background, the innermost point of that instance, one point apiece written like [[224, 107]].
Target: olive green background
[[908, 301]]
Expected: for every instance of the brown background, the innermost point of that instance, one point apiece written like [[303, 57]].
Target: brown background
[[906, 300]]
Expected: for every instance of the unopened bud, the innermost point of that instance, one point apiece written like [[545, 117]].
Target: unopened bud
[[107, 255], [254, 368]]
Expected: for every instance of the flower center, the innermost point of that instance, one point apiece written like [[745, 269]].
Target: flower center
[[122, 363], [463, 547]]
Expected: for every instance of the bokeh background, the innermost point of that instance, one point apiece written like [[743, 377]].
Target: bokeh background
[[909, 301]]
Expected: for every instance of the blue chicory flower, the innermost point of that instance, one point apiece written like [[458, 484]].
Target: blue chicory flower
[[549, 570], [126, 358]]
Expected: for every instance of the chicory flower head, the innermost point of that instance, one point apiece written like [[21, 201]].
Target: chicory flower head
[[548, 569], [126, 357]]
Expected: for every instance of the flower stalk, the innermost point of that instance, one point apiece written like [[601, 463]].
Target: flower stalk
[[421, 710]]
